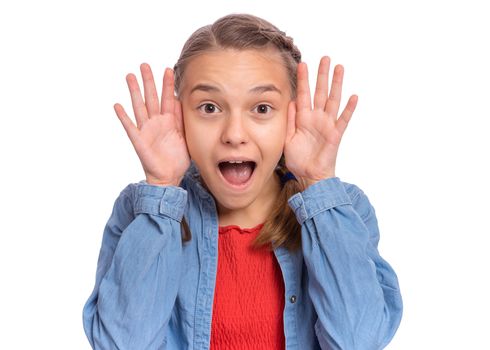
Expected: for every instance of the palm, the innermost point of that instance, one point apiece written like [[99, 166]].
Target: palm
[[158, 138], [313, 146], [314, 134], [161, 148]]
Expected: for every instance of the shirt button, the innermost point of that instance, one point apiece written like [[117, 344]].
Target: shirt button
[[292, 299]]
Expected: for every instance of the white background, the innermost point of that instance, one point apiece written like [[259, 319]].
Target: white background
[[417, 145]]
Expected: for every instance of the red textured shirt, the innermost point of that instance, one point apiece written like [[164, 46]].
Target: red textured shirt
[[249, 294]]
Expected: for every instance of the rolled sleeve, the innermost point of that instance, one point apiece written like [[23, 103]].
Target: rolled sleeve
[[169, 201], [323, 195]]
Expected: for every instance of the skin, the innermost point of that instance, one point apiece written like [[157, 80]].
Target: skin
[[314, 132], [173, 131], [235, 121]]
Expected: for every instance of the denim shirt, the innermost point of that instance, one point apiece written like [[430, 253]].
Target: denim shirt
[[154, 292]]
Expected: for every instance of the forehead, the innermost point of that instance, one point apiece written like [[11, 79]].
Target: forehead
[[230, 68]]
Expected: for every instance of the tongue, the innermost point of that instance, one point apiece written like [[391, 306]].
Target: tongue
[[236, 173]]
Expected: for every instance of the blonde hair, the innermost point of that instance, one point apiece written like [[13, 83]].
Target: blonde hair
[[242, 32]]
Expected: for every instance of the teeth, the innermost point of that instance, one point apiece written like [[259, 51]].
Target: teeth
[[235, 161]]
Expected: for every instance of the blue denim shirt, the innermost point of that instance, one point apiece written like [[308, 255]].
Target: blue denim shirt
[[153, 292]]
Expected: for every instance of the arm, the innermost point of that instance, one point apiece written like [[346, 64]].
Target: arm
[[138, 269], [354, 291]]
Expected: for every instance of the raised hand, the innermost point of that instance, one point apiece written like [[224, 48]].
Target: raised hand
[[313, 135], [158, 137]]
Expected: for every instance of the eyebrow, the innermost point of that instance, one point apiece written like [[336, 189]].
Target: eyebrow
[[255, 90]]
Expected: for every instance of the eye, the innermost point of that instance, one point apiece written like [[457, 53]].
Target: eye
[[209, 108], [262, 108]]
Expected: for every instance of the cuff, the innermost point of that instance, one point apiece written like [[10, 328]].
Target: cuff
[[320, 196], [169, 201]]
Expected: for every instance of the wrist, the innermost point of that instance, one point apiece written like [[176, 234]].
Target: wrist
[[155, 182], [307, 182]]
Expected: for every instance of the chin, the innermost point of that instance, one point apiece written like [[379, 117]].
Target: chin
[[234, 202]]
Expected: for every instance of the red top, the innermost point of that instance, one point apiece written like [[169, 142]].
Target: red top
[[249, 294]]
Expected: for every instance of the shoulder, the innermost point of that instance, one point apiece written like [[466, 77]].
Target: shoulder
[[360, 201], [362, 205], [127, 194], [125, 200], [124, 203], [352, 190]]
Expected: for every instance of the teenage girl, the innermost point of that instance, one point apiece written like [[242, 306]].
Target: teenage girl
[[241, 236]]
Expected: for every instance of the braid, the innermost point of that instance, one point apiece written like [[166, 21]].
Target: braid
[[288, 44], [282, 41]]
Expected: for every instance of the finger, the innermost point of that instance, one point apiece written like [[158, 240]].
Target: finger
[[321, 90], [303, 89], [333, 102], [168, 96], [291, 127], [179, 117], [151, 97], [137, 100], [131, 129], [346, 115]]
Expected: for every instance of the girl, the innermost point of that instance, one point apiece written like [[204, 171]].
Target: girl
[[241, 236]]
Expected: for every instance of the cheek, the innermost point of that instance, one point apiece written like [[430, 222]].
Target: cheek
[[200, 139], [272, 137], [196, 143], [192, 138]]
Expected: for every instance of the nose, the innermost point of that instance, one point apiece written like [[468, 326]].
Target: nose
[[234, 131]]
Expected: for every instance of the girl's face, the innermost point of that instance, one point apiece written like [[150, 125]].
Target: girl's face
[[234, 106]]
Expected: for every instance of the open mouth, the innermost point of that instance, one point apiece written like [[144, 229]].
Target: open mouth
[[237, 174]]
